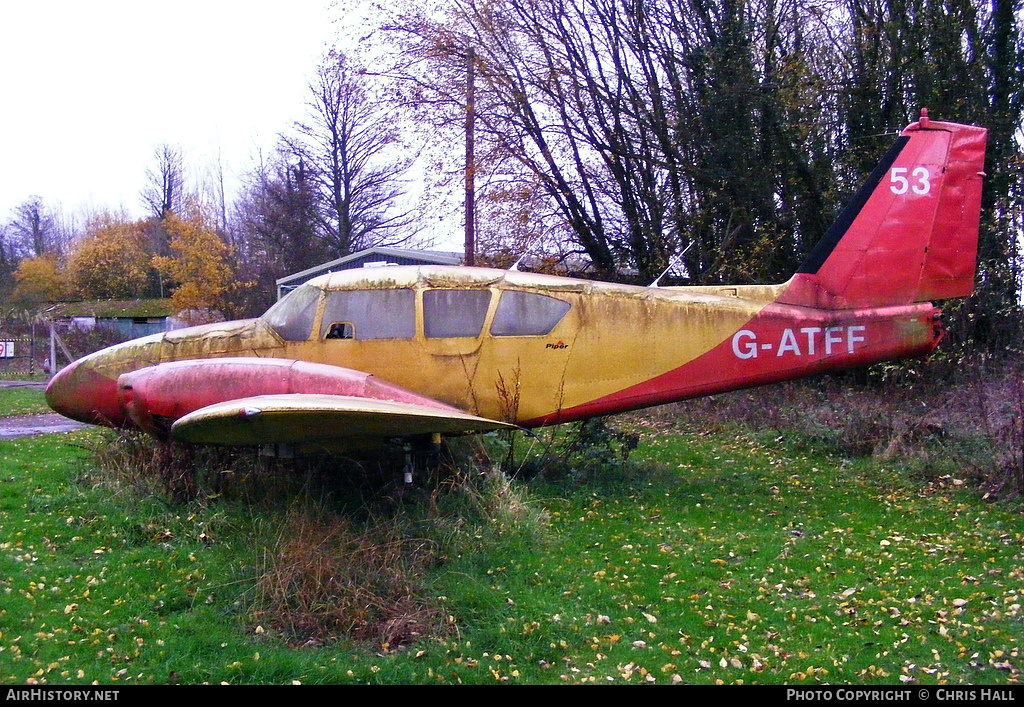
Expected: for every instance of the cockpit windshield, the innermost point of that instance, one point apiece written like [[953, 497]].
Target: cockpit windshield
[[292, 316]]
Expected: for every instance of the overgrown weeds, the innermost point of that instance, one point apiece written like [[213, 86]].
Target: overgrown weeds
[[134, 462], [593, 452], [326, 576], [998, 392], [342, 550], [965, 423]]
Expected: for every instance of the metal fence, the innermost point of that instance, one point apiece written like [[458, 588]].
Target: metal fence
[[23, 355], [37, 348]]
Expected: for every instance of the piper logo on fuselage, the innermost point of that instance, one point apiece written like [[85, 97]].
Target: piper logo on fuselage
[[805, 341], [559, 345]]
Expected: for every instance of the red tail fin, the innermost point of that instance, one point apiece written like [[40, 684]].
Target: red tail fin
[[911, 233]]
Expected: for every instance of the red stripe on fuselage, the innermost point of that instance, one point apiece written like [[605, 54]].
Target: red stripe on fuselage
[[782, 342]]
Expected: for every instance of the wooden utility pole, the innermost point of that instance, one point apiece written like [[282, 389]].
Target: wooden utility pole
[[470, 258]]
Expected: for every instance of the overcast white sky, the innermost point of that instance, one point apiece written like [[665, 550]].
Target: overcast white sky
[[91, 87]]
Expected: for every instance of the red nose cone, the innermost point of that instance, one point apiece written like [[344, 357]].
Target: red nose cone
[[82, 394]]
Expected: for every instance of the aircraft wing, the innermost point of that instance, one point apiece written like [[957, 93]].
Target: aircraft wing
[[255, 401], [308, 418]]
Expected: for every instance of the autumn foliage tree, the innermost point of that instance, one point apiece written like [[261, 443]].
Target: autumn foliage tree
[[38, 280], [110, 261], [200, 267]]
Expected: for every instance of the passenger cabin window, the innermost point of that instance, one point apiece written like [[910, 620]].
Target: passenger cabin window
[[527, 314], [452, 314], [292, 316], [369, 314]]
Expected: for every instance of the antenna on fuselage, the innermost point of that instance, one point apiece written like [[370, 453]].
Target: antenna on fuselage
[[515, 265], [671, 264]]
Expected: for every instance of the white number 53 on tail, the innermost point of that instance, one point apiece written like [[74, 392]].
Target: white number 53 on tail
[[918, 182]]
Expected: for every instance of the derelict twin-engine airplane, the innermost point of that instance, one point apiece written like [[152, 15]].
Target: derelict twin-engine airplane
[[399, 352]]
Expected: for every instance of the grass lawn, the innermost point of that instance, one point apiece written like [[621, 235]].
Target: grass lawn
[[729, 557], [22, 401]]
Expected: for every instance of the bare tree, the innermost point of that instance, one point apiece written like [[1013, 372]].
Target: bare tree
[[8, 263], [34, 226], [351, 150], [165, 182], [599, 104], [276, 224]]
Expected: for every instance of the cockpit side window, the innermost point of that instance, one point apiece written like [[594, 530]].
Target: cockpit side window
[[369, 314], [341, 330], [292, 316], [454, 313], [527, 314]]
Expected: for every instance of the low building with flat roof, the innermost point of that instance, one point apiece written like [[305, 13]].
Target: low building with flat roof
[[369, 258]]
